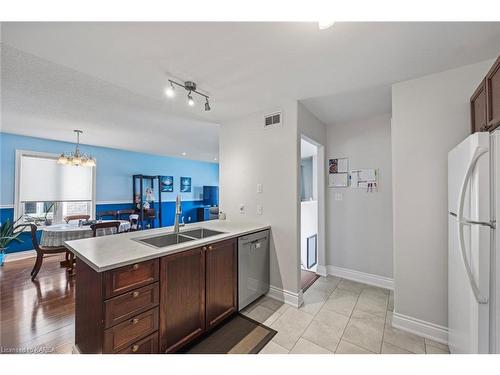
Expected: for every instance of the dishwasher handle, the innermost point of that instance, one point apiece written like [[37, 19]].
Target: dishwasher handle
[[254, 242]]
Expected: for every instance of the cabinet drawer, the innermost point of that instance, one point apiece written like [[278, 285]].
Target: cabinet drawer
[[126, 278], [127, 305], [148, 345], [122, 335]]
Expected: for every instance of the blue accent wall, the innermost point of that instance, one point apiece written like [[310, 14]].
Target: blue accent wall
[[113, 177]]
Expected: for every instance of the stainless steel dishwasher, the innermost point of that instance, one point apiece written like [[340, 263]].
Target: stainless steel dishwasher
[[253, 267]]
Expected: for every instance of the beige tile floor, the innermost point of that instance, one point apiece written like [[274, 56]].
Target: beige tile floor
[[338, 316]]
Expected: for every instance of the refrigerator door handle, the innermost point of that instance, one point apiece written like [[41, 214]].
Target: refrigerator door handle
[[491, 224], [475, 288], [462, 221]]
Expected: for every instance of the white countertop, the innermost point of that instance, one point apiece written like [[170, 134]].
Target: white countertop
[[108, 252]]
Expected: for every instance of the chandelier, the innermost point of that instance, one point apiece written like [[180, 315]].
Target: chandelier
[[77, 158]]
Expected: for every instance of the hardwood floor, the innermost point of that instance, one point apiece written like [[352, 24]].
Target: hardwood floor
[[39, 316], [307, 278]]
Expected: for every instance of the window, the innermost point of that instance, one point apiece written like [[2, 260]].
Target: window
[[46, 190]]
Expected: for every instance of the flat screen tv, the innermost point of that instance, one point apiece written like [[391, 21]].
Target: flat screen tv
[[211, 195]]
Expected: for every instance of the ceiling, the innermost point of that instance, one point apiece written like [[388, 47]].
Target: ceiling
[[340, 73], [46, 100]]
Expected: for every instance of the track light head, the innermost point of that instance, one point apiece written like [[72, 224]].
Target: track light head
[[170, 91], [190, 100], [207, 105]]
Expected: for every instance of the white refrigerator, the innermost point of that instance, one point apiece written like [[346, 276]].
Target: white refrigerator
[[473, 261]]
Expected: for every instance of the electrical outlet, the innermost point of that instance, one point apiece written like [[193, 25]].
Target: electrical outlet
[[339, 196], [259, 188], [259, 209]]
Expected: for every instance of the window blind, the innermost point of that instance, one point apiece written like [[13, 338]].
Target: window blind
[[42, 179]]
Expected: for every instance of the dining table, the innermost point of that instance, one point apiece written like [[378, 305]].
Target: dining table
[[55, 235]]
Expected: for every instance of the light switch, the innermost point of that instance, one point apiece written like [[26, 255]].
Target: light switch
[[259, 209], [242, 208], [259, 188], [339, 196]]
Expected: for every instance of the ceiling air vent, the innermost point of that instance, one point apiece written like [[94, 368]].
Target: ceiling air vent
[[272, 120]]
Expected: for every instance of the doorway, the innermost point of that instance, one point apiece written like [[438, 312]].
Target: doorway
[[309, 212]]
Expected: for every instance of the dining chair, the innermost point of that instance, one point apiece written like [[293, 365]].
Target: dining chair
[[106, 214], [125, 214], [95, 228], [109, 224], [41, 250], [134, 222], [69, 218]]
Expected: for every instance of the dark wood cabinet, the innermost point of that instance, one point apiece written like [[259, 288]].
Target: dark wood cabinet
[[221, 286], [126, 278], [148, 345], [117, 310], [478, 109], [130, 331], [485, 102], [182, 314], [127, 305], [156, 306], [493, 96]]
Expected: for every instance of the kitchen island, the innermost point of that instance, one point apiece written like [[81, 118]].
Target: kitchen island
[[155, 291]]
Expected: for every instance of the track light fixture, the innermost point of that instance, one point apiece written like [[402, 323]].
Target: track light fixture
[[190, 87]]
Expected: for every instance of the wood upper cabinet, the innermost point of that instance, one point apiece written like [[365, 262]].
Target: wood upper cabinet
[[493, 96], [221, 285], [478, 108], [182, 296]]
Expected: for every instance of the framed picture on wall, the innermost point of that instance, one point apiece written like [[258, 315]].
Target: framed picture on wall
[[338, 175], [167, 184], [185, 185]]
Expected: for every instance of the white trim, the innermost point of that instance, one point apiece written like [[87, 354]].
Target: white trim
[[321, 270], [290, 298], [11, 205], [20, 255], [361, 277], [420, 327], [113, 202], [130, 202]]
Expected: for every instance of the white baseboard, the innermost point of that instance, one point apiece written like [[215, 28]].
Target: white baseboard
[[321, 270], [290, 298], [420, 327], [361, 277], [20, 255]]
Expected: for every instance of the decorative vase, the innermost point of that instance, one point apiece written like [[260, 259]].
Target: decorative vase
[[2, 256]]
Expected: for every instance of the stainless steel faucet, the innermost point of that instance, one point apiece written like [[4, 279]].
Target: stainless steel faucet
[[178, 213]]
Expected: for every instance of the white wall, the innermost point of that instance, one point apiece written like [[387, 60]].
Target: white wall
[[250, 154], [430, 115], [313, 130], [359, 227]]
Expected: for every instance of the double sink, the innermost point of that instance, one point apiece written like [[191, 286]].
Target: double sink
[[169, 239]]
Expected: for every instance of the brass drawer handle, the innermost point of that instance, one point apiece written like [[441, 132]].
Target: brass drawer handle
[[135, 320], [135, 348], [135, 294], [210, 247], [135, 267], [204, 248]]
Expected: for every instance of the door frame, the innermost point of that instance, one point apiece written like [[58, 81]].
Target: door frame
[[321, 195]]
